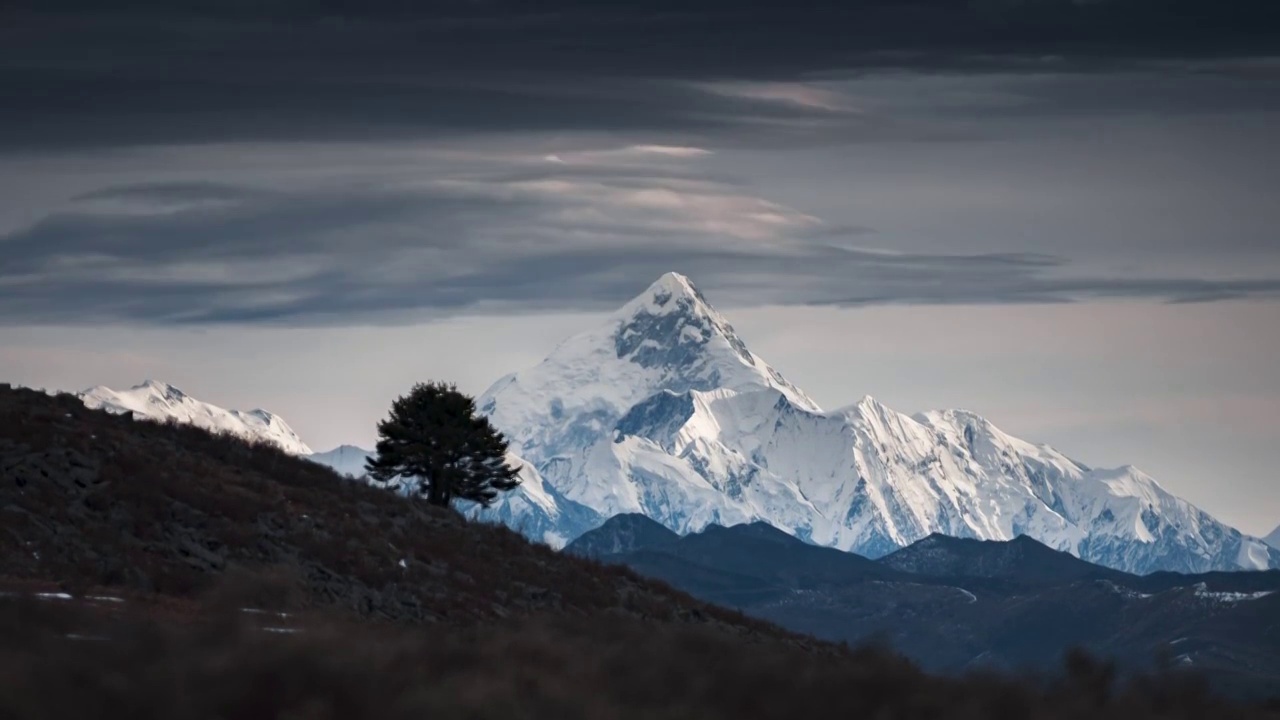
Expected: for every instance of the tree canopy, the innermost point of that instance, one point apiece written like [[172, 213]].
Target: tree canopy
[[434, 441]]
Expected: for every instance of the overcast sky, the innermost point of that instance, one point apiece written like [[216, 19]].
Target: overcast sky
[[1059, 214]]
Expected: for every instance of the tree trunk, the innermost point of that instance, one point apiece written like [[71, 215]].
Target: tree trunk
[[433, 490]]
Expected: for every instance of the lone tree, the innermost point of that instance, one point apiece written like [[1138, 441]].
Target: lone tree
[[434, 439]]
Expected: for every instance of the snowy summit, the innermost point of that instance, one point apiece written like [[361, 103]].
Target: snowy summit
[[1274, 538], [666, 339]]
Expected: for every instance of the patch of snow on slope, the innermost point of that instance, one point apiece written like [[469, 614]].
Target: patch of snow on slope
[[346, 460], [1202, 591], [536, 510], [1124, 592]]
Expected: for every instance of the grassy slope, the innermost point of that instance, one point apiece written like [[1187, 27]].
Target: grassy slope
[[92, 499]]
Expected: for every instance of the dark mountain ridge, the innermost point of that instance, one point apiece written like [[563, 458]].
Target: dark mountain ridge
[[1022, 558], [626, 533], [953, 604]]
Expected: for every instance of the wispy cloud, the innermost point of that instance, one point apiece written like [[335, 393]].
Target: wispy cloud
[[505, 232], [809, 95]]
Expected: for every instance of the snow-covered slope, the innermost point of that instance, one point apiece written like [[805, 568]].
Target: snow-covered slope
[[1273, 539], [345, 459], [662, 410], [534, 509], [162, 402]]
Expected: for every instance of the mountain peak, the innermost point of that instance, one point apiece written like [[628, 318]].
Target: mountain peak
[[162, 389], [1273, 539], [667, 338], [872, 405], [1022, 557], [674, 282], [669, 321], [621, 534], [672, 293], [673, 328]]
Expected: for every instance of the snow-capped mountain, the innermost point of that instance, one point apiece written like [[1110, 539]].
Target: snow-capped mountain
[[345, 460], [162, 402], [667, 339], [1273, 539], [662, 410]]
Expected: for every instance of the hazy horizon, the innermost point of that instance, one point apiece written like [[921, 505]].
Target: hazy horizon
[[1181, 441]]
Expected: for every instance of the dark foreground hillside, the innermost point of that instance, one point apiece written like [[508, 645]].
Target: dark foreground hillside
[[92, 499], [55, 665], [160, 572]]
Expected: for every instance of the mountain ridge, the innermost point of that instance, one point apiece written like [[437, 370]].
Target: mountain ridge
[[1274, 538], [662, 410], [1021, 558], [160, 401], [686, 425], [622, 534], [957, 604]]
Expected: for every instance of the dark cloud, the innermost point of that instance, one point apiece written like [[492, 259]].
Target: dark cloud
[[181, 193], [93, 74], [519, 231], [193, 253]]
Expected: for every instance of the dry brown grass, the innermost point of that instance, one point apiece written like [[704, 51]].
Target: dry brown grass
[[58, 660]]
